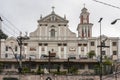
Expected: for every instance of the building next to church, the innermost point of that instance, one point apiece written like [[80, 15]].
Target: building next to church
[[53, 34]]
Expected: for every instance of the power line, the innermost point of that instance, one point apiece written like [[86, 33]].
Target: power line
[[8, 32], [12, 30], [9, 22], [107, 4]]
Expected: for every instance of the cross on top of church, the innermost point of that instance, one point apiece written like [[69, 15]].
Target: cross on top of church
[[84, 5], [53, 9]]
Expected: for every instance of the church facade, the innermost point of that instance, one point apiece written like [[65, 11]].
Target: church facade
[[53, 35]]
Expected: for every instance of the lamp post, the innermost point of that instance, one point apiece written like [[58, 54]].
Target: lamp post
[[116, 67], [100, 51], [114, 21], [116, 71]]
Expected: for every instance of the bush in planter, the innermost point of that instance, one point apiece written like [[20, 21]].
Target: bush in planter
[[1, 67], [91, 54], [39, 70], [10, 78], [74, 70], [26, 70], [59, 73]]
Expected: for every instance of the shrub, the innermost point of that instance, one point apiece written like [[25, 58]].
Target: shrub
[[10, 78]]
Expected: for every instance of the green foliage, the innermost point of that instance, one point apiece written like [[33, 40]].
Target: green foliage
[[96, 69], [73, 70], [91, 54], [107, 62], [10, 78], [107, 66], [2, 35], [26, 70], [58, 68], [39, 70], [59, 73], [1, 67]]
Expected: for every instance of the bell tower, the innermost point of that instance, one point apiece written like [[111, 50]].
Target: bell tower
[[84, 27]]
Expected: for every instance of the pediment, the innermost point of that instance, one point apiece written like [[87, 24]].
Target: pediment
[[53, 18]]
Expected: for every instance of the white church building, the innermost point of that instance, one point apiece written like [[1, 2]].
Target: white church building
[[53, 34]]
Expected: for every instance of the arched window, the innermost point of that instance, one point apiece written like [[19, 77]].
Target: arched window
[[52, 32]]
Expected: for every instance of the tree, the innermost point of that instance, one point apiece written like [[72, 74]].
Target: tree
[[91, 54], [58, 68], [39, 70], [97, 69], [107, 65], [26, 70], [2, 35], [10, 78], [73, 70], [1, 67]]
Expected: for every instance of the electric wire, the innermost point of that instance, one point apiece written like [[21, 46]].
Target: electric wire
[[10, 22], [8, 27], [5, 20], [107, 4], [9, 30]]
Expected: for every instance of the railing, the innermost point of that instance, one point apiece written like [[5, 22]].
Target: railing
[[53, 38], [52, 60]]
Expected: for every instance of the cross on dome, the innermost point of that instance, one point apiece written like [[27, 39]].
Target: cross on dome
[[84, 5], [53, 9]]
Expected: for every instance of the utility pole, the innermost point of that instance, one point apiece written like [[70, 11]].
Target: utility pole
[[68, 65], [49, 60], [102, 44], [100, 51], [20, 40], [115, 67]]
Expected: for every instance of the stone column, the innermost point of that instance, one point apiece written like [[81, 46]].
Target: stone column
[[65, 54], [110, 47], [46, 48], [39, 35], [2, 50], [59, 52], [65, 51], [85, 50], [79, 51], [39, 50], [25, 47], [96, 51], [46, 35], [65, 34]]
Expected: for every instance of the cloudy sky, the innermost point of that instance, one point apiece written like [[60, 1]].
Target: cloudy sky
[[23, 14]]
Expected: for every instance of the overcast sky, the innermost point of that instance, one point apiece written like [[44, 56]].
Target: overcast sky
[[25, 13]]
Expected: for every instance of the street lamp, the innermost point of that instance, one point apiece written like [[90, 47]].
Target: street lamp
[[116, 71], [116, 67], [114, 21], [100, 50]]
